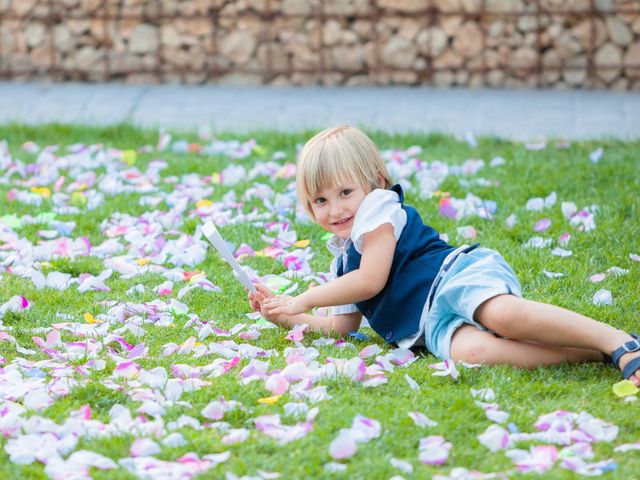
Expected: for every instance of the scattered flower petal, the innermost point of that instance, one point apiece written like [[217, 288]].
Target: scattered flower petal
[[624, 388], [602, 297], [434, 450]]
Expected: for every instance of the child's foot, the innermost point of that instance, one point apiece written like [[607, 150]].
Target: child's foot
[[635, 369], [627, 359]]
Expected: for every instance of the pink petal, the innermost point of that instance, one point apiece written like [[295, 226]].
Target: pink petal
[[370, 351], [467, 232], [276, 384], [355, 369], [402, 356], [214, 410], [139, 350], [16, 304], [564, 238], [447, 367], [83, 412], [344, 446], [540, 459], [447, 209], [296, 334], [542, 225], [250, 335], [367, 428], [127, 370], [245, 249], [144, 447]]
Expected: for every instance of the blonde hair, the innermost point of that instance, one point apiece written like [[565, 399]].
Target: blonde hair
[[335, 156]]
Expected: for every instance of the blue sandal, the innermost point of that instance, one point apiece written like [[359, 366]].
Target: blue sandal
[[627, 347]]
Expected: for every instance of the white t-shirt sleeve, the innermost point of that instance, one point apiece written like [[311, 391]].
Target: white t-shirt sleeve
[[340, 309], [377, 208]]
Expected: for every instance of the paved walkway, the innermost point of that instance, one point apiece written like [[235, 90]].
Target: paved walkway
[[516, 114]]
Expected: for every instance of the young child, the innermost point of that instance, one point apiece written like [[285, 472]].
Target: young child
[[414, 288]]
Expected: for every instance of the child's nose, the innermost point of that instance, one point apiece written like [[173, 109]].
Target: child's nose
[[335, 209]]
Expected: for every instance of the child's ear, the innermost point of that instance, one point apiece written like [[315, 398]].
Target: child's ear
[[381, 181]]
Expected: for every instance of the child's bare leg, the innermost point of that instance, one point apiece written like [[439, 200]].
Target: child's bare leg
[[521, 319], [469, 344]]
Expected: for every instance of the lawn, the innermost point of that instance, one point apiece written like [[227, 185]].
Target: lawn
[[138, 344]]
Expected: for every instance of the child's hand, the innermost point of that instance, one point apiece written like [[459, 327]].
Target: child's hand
[[264, 291], [257, 300], [284, 305]]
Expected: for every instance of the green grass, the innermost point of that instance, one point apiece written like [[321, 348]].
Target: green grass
[[613, 185]]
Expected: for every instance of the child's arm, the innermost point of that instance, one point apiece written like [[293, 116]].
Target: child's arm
[[340, 324], [361, 284]]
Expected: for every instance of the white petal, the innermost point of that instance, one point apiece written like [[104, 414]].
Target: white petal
[[174, 439], [602, 297], [403, 465], [494, 438], [144, 447], [412, 383]]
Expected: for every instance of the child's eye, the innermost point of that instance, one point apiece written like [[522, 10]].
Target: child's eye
[[346, 192], [319, 200]]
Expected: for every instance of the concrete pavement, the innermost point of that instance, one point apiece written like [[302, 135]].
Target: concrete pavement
[[514, 114]]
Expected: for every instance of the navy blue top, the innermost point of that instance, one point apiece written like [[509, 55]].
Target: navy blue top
[[395, 312]]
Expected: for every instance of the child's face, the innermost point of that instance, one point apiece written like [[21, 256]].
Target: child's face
[[335, 208]]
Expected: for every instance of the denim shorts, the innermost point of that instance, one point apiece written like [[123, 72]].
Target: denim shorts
[[472, 279]]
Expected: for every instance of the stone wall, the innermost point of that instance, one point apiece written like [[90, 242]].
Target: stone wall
[[512, 43]]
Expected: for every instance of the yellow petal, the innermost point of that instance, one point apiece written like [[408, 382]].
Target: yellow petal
[[78, 199], [260, 253], [142, 261], [204, 203], [42, 191], [624, 388], [89, 318], [269, 400], [301, 243], [129, 157]]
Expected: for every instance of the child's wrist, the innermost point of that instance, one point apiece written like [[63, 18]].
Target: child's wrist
[[305, 302]]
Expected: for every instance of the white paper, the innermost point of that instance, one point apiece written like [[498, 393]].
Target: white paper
[[211, 232]]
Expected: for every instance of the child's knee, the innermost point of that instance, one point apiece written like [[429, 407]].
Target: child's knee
[[497, 313], [469, 344]]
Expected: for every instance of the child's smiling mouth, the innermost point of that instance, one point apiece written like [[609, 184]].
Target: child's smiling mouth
[[342, 222]]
